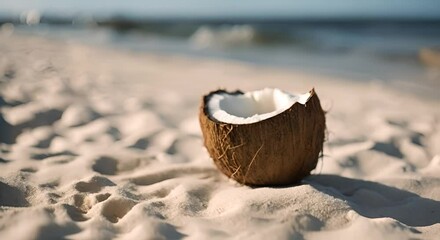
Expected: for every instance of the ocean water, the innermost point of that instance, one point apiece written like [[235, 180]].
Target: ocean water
[[381, 51]]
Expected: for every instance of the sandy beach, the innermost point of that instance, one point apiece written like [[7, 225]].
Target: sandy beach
[[100, 143]]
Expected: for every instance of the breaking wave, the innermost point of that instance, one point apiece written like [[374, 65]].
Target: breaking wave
[[236, 35]]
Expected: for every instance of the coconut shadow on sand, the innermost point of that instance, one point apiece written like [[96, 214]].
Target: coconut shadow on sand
[[376, 200]]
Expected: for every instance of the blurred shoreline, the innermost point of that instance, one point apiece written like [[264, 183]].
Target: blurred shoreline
[[399, 52]]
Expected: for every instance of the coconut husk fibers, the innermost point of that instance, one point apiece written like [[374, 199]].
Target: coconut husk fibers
[[279, 150]]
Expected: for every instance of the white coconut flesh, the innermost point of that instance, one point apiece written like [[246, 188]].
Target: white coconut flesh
[[252, 107]]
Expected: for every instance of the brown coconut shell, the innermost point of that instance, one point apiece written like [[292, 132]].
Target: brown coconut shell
[[279, 150]]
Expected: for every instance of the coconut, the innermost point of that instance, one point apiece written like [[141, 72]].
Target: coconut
[[262, 138]]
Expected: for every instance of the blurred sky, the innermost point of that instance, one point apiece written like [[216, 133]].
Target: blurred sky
[[230, 8]]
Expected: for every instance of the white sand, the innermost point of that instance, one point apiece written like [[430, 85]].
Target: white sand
[[100, 144]]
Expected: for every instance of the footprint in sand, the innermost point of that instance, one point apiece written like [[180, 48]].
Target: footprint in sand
[[82, 203], [114, 209], [85, 202], [87, 197], [105, 165], [12, 196], [94, 185]]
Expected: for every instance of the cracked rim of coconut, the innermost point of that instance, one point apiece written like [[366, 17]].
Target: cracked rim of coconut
[[263, 138]]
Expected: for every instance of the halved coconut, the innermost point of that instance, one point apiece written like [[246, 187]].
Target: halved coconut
[[265, 137]]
